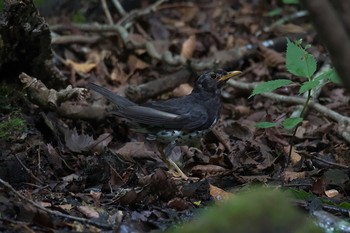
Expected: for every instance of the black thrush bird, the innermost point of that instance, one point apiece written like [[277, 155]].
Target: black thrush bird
[[175, 121]]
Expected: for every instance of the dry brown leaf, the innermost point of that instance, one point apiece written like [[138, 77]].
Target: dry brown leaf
[[95, 195], [319, 186], [260, 70], [294, 157], [237, 130], [243, 109], [188, 47], [208, 169], [66, 206], [135, 63], [188, 12], [301, 131], [45, 204], [179, 204], [88, 211], [70, 178], [135, 150], [53, 157], [83, 142], [81, 67], [331, 193], [230, 43], [137, 38], [219, 194], [272, 58], [182, 90], [254, 28], [290, 175]]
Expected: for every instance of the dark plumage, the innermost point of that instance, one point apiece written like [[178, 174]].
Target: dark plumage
[[196, 111], [176, 121]]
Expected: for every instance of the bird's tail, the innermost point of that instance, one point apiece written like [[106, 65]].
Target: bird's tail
[[118, 100]]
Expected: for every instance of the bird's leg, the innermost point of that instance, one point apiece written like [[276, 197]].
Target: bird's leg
[[164, 156]]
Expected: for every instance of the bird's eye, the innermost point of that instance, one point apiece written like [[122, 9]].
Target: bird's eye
[[213, 75]]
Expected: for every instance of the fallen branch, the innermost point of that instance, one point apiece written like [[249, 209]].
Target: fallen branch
[[151, 89], [49, 98]]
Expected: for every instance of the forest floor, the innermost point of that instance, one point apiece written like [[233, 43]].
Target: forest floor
[[66, 164]]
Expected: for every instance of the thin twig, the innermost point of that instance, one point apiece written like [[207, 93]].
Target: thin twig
[[330, 163], [86, 39], [119, 7], [107, 13], [28, 170], [137, 13]]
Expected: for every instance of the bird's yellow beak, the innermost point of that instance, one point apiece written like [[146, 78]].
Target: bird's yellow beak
[[229, 75]]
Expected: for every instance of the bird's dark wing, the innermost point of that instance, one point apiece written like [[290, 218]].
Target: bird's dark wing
[[118, 100], [153, 117], [168, 114]]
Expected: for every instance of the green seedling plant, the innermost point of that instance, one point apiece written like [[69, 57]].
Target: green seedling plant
[[300, 63], [278, 11]]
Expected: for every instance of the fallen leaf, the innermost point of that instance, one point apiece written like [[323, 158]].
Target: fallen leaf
[[188, 12], [331, 193], [96, 195], [118, 74], [70, 177], [134, 63], [53, 157], [182, 90], [219, 194], [290, 175], [179, 204], [319, 186], [208, 169], [135, 150], [294, 157], [188, 47], [66, 206], [81, 67], [82, 142], [88, 211], [45, 204], [237, 130], [272, 58]]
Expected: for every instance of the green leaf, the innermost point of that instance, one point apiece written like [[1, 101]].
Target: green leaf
[[275, 12], [291, 1], [345, 205], [334, 78], [79, 17], [300, 194], [269, 86], [330, 75], [292, 122], [298, 61], [308, 85], [265, 125]]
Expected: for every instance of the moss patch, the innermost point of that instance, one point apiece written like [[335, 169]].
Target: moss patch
[[12, 127]]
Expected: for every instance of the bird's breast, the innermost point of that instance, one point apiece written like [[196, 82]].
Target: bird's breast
[[177, 136]]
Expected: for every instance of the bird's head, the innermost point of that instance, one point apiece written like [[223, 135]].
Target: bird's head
[[212, 81]]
